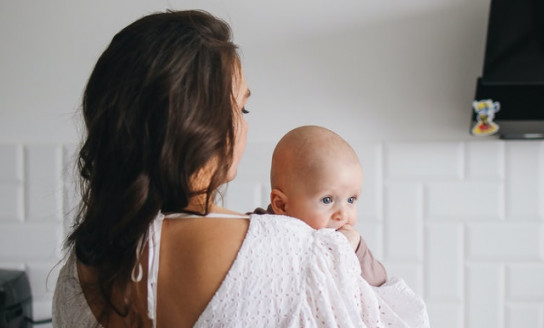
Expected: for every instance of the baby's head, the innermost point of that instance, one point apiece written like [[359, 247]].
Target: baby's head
[[316, 177]]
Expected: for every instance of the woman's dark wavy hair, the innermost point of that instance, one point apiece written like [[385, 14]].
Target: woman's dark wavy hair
[[157, 108]]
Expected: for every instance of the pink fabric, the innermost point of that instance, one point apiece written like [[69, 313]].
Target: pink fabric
[[371, 269]]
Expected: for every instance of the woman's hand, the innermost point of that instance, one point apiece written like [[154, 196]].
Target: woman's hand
[[351, 234]]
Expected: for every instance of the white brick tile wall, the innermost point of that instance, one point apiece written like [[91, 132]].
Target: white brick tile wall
[[372, 233], [42, 277], [461, 222], [523, 194], [30, 242], [43, 183], [370, 203], [525, 282], [41, 310], [403, 221], [11, 183], [71, 193], [482, 200], [524, 315], [265, 196], [11, 163], [506, 241], [445, 314], [411, 273], [444, 274], [485, 160], [485, 296], [425, 160], [11, 201], [12, 265]]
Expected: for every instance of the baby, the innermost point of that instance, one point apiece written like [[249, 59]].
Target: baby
[[316, 177]]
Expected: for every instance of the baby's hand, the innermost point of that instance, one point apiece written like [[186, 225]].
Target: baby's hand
[[351, 234]]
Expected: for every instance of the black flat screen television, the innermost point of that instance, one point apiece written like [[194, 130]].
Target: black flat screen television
[[512, 80]]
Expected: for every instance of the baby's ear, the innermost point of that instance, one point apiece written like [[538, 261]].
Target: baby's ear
[[278, 201]]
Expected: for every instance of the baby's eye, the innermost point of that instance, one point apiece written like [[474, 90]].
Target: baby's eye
[[245, 111], [326, 200], [352, 200]]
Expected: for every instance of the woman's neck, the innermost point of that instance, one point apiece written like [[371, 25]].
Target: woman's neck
[[199, 206]]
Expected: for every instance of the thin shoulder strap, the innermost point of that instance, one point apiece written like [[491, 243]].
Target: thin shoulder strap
[[209, 215], [154, 244]]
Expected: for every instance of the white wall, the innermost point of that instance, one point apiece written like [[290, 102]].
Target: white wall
[[460, 218], [369, 70]]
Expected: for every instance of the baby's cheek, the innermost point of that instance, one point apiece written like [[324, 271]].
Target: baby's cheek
[[353, 219]]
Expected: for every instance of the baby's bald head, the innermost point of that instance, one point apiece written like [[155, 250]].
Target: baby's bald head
[[304, 152]]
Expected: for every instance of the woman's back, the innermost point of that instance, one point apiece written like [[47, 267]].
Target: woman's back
[[195, 257]]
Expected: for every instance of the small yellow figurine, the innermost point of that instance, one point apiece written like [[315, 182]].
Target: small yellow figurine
[[485, 110]]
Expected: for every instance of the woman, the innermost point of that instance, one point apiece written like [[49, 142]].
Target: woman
[[164, 111]]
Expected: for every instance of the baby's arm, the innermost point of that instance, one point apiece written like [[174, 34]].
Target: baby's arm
[[371, 269]]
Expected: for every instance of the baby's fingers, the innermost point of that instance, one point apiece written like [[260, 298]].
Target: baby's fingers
[[351, 234]]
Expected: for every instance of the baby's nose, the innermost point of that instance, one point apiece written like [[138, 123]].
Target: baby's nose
[[340, 215]]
